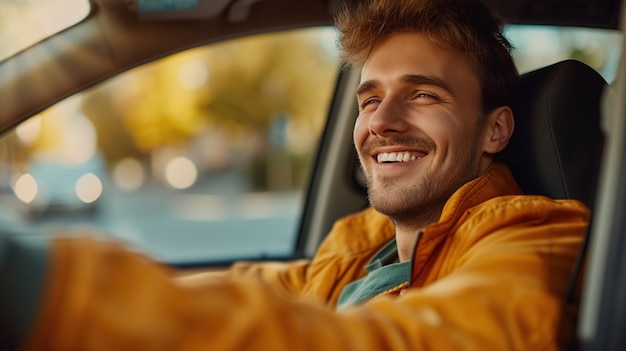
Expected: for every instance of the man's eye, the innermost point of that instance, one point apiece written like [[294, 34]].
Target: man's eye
[[425, 95], [368, 102]]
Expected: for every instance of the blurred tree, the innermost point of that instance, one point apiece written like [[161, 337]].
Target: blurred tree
[[258, 79], [239, 86], [101, 107]]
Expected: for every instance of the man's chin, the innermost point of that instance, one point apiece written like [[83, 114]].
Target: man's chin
[[389, 203], [407, 206]]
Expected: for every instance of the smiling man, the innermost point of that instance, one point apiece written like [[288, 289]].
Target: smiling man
[[421, 132], [451, 255]]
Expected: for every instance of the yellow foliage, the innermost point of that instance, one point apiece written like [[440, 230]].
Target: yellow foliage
[[238, 84]]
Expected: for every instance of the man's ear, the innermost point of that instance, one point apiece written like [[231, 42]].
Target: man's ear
[[498, 131]]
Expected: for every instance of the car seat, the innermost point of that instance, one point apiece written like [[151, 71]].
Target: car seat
[[557, 146]]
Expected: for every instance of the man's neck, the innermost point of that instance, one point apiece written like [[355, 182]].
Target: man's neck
[[406, 238]]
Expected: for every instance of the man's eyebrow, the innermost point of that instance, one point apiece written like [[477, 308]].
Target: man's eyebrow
[[366, 86], [413, 79], [418, 79]]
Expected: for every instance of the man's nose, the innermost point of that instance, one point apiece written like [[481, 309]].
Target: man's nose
[[390, 118]]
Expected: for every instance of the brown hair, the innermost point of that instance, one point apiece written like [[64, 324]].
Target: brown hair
[[464, 25]]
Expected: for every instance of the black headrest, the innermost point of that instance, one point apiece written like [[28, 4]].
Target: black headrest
[[556, 148]]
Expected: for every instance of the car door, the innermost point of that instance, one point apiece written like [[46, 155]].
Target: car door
[[603, 306]]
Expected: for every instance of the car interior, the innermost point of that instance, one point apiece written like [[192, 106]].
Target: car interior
[[556, 148], [569, 139]]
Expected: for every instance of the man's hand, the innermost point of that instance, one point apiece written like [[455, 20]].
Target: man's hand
[[23, 265]]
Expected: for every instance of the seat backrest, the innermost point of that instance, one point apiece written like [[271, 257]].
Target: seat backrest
[[556, 149]]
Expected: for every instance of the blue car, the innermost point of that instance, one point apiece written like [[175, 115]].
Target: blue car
[[55, 187]]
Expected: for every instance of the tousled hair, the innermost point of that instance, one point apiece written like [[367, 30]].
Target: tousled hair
[[464, 25]]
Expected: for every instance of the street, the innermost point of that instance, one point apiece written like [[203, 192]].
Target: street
[[178, 227]]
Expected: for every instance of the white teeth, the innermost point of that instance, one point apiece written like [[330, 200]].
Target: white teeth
[[395, 157]]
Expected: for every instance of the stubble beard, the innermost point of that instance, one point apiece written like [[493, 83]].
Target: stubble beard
[[422, 202]]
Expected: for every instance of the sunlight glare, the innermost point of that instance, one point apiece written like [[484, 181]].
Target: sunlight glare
[[181, 173], [28, 131], [88, 188], [128, 174], [80, 139], [193, 74], [25, 188]]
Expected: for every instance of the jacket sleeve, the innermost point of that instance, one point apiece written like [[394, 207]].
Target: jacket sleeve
[[99, 296], [287, 277]]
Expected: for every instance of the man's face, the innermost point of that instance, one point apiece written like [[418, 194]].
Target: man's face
[[417, 132]]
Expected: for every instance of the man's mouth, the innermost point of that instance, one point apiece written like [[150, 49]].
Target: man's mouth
[[390, 157]]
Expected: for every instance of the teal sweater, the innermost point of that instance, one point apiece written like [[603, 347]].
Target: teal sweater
[[384, 272]]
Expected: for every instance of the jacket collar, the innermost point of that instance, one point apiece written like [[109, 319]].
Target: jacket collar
[[375, 229], [496, 181]]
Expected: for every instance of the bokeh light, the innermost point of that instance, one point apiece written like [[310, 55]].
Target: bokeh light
[[181, 173]]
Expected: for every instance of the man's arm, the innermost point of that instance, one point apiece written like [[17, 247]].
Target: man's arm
[[100, 296], [288, 277]]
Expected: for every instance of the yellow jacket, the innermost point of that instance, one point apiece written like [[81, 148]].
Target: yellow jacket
[[490, 275]]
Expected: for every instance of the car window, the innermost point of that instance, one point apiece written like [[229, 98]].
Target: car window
[[537, 46], [23, 23], [200, 156]]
